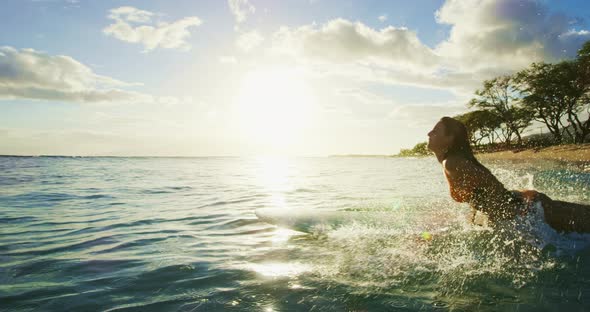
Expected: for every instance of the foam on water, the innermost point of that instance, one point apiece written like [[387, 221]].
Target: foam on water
[[392, 257]]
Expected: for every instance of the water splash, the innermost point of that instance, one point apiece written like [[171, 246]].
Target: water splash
[[459, 260]]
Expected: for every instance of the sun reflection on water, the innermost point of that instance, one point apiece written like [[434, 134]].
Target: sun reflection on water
[[273, 176], [281, 235]]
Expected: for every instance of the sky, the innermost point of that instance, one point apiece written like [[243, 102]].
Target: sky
[[258, 77]]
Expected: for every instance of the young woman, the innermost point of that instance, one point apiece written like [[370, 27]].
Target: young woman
[[471, 182]]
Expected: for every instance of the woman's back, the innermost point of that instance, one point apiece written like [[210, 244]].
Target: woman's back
[[473, 183]]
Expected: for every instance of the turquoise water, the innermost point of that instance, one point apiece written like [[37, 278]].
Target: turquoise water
[[180, 234]]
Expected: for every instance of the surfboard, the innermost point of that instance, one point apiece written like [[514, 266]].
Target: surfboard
[[309, 221]]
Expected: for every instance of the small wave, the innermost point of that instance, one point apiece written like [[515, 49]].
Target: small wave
[[249, 232], [180, 188], [33, 232], [42, 295], [151, 192], [141, 243], [225, 202], [8, 181], [41, 196], [74, 267], [304, 190], [144, 222], [106, 240], [166, 190], [13, 220], [82, 221], [236, 223], [97, 196], [207, 219]]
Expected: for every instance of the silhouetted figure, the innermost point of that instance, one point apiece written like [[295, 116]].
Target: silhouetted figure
[[471, 182]]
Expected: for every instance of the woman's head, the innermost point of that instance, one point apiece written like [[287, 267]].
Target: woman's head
[[449, 136]]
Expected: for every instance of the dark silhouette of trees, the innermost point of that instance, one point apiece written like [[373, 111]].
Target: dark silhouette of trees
[[481, 124], [540, 85], [419, 149], [579, 94], [557, 95], [501, 96]]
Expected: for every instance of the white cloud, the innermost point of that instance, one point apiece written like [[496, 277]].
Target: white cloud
[[372, 106], [240, 9], [487, 38], [30, 74], [423, 116], [343, 41], [131, 14], [505, 34], [151, 35], [249, 40], [228, 59], [382, 18]]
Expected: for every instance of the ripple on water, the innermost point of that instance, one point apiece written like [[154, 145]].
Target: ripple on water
[[180, 234]]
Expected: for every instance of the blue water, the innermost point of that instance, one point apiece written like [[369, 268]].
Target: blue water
[[180, 234]]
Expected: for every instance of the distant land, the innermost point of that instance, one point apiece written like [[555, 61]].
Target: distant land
[[362, 155], [564, 152]]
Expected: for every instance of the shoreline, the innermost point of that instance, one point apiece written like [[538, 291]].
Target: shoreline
[[566, 152]]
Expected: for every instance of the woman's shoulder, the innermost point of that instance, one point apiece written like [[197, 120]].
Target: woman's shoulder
[[456, 164]]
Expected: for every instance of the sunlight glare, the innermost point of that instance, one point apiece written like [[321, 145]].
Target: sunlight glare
[[273, 175], [274, 106]]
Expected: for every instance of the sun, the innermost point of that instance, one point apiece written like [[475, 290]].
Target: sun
[[274, 106]]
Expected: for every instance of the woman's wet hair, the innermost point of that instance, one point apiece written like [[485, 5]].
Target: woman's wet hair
[[460, 144]]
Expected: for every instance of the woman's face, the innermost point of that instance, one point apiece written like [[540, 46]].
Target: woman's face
[[438, 140]]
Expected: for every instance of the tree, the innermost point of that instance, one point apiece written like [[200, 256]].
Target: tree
[[552, 92], [572, 91], [577, 90], [540, 92], [481, 124], [419, 149], [501, 96]]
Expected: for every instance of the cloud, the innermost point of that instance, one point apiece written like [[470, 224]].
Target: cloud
[[131, 14], [382, 18], [228, 59], [487, 38], [373, 106], [424, 115], [506, 34], [343, 41], [30, 74], [240, 9], [249, 40], [359, 104], [151, 35]]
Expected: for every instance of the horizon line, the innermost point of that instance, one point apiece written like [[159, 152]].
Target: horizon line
[[192, 156]]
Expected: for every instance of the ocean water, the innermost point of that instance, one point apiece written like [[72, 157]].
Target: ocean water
[[180, 234]]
